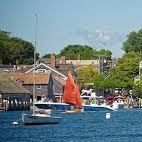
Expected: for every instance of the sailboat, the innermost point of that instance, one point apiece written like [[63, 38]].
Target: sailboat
[[73, 101], [72, 95], [38, 118]]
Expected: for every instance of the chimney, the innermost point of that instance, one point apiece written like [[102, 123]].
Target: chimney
[[17, 62], [63, 60], [1, 61], [53, 61], [78, 57]]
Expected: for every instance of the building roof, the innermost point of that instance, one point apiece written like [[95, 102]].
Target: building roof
[[46, 66], [28, 78], [10, 87], [48, 60], [64, 68], [7, 66], [83, 62], [60, 80], [24, 68]]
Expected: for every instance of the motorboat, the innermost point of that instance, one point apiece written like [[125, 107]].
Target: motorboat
[[89, 103]]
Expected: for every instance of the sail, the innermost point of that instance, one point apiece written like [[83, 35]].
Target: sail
[[78, 98], [71, 92], [68, 90]]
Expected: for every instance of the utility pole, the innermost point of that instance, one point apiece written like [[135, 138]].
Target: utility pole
[[101, 63], [140, 66]]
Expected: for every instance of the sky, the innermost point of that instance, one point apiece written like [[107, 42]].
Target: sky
[[96, 23]]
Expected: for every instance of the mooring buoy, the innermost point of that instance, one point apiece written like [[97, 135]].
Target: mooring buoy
[[108, 115], [15, 123]]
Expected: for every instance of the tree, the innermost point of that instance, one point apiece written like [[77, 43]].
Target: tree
[[99, 84], [89, 75], [46, 56], [85, 52], [137, 89], [106, 53], [4, 44], [72, 51], [86, 75], [134, 42], [13, 48], [125, 71]]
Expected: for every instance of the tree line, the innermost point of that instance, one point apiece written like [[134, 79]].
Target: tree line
[[14, 49], [127, 68]]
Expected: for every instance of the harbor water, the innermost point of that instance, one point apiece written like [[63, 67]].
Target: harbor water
[[123, 126]]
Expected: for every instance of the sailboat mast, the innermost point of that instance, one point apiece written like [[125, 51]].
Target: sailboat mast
[[35, 44]]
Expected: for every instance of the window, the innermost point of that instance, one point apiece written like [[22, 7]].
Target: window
[[38, 98], [41, 70], [38, 86]]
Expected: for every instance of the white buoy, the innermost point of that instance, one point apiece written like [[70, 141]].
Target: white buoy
[[108, 115], [15, 123]]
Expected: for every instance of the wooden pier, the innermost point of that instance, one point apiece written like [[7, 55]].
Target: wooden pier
[[13, 96]]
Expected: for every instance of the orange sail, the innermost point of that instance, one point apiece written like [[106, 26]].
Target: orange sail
[[78, 98], [68, 90], [71, 92]]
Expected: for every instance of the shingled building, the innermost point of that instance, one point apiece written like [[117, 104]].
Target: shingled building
[[13, 96]]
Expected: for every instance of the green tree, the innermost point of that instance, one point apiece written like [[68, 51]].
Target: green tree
[[4, 46], [137, 89], [72, 51], [85, 52], [134, 42], [89, 75], [99, 84], [127, 68], [13, 48], [86, 75], [46, 56], [103, 52]]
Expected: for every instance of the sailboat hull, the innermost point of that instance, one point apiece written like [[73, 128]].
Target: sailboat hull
[[39, 119], [64, 106], [53, 106]]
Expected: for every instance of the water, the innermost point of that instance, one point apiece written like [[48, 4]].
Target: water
[[123, 126]]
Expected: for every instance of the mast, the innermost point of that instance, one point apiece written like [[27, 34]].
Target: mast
[[35, 44]]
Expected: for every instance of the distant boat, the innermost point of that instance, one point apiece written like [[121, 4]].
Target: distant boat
[[38, 118], [72, 95]]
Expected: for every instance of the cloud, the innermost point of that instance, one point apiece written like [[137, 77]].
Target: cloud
[[101, 37]]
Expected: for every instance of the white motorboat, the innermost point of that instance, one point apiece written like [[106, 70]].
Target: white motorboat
[[89, 104], [39, 119]]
